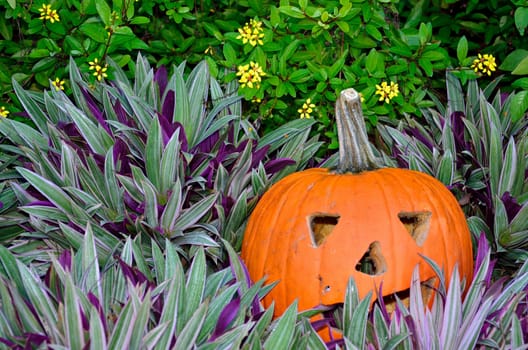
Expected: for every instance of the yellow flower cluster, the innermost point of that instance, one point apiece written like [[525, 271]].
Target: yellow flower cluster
[[46, 13], [58, 84], [387, 92], [484, 63], [250, 75], [306, 109], [4, 112], [251, 33], [99, 71]]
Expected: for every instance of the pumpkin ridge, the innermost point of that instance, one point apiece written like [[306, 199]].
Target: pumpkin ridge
[[272, 199]]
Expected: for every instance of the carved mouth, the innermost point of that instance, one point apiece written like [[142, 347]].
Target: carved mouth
[[427, 289]]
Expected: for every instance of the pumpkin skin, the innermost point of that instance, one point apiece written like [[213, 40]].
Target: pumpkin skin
[[311, 229]]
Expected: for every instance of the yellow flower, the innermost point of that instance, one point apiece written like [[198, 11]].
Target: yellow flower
[[361, 97], [58, 84], [99, 71], [209, 51], [251, 33], [306, 109], [387, 92], [484, 63], [250, 75], [4, 112], [46, 13]]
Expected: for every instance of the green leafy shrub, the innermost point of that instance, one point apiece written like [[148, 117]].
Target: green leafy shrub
[[163, 156], [478, 146], [309, 51], [39, 38]]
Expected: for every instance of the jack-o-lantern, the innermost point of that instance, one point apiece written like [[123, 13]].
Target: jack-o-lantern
[[315, 229]]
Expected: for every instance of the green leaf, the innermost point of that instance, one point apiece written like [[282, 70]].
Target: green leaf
[[187, 337], [514, 59], [373, 31], [520, 220], [53, 193], [355, 318], [292, 11], [72, 316], [97, 138], [27, 100], [424, 33], [300, 76], [363, 41], [495, 159], [138, 20], [170, 309], [172, 209], [141, 322], [401, 50], [521, 19], [44, 64], [519, 105], [452, 313], [97, 331], [192, 215], [462, 49], [104, 12], [427, 66], [446, 169], [455, 94], [229, 53], [344, 26], [198, 87], [500, 219], [90, 265], [374, 62], [282, 334], [509, 172], [151, 204], [114, 193], [517, 338], [94, 31], [194, 288], [522, 68], [120, 337], [153, 149]]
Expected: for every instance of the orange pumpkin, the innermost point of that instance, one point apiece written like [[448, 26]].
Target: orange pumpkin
[[315, 229]]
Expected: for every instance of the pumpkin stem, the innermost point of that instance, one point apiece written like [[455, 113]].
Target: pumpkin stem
[[355, 154]]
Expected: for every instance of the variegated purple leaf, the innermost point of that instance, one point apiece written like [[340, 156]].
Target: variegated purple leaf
[[228, 314], [120, 152], [208, 144], [258, 155], [416, 133], [97, 304], [275, 165], [132, 273], [511, 205], [161, 78], [96, 112], [35, 340], [458, 130]]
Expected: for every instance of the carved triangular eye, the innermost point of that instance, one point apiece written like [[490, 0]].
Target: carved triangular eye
[[417, 224], [373, 262], [321, 226]]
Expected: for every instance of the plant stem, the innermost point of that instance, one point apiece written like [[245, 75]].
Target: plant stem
[[355, 154]]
